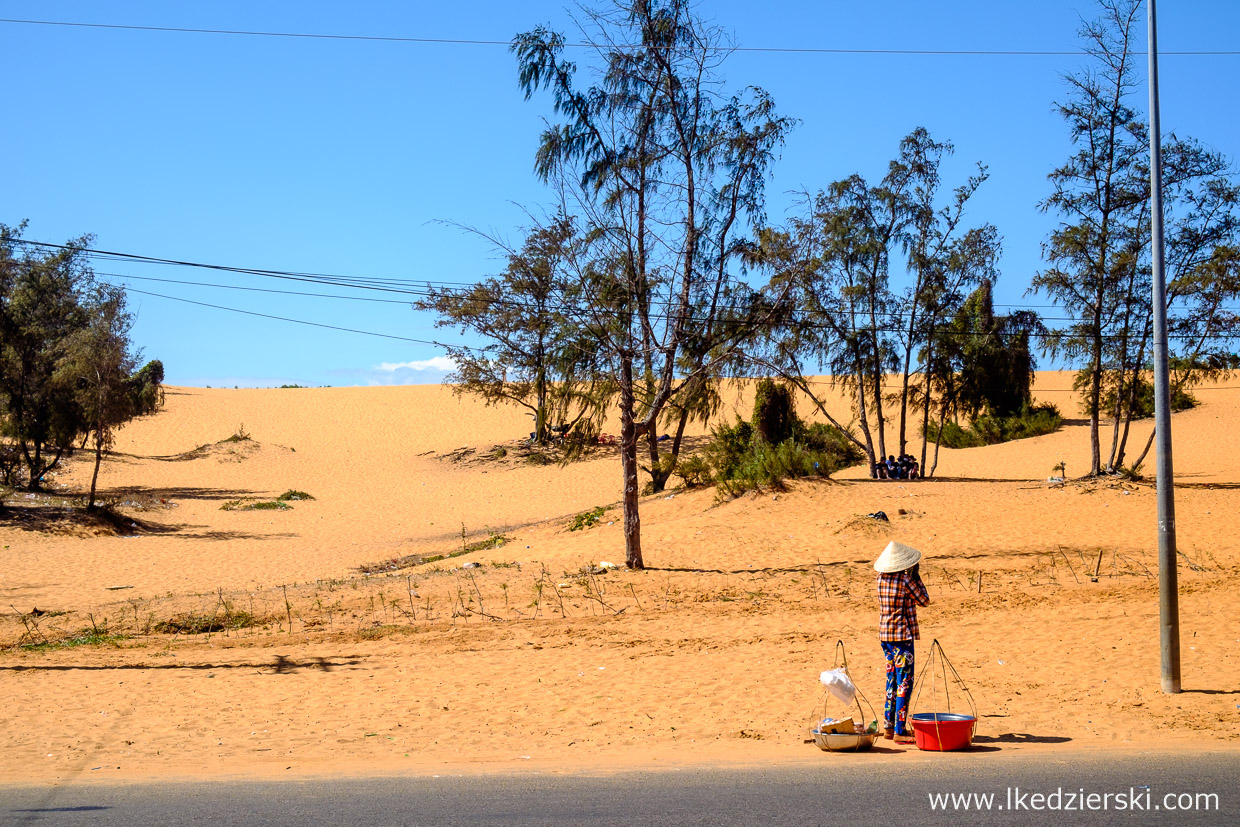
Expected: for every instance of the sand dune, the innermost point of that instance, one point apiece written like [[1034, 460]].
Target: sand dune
[[710, 656]]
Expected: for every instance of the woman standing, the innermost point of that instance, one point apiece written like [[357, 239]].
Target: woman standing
[[900, 592]]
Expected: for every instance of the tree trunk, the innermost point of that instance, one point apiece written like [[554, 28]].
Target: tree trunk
[[864, 420], [660, 475], [1148, 443], [937, 440], [94, 478], [628, 461], [925, 413], [1095, 393], [657, 477]]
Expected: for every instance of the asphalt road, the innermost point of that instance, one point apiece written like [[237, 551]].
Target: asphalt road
[[853, 791]]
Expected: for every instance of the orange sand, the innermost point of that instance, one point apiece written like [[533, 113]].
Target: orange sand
[[710, 656]]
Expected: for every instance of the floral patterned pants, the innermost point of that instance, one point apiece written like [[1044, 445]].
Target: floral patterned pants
[[899, 654]]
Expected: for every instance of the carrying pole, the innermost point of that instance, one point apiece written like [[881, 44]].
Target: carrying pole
[[1168, 589]]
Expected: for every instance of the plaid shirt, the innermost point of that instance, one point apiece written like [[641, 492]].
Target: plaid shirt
[[899, 595]]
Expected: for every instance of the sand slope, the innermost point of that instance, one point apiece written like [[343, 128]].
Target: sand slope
[[711, 655]]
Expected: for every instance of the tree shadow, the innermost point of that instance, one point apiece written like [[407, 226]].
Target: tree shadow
[[1209, 486], [1211, 691], [151, 496], [280, 666], [67, 520], [72, 520]]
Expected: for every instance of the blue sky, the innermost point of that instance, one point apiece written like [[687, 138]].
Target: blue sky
[[357, 157]]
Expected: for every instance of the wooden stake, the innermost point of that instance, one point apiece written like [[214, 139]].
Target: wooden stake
[[288, 607]]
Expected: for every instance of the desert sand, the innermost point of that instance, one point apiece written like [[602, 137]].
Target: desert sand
[[232, 642]]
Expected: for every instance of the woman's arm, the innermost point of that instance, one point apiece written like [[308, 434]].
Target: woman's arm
[[917, 588]]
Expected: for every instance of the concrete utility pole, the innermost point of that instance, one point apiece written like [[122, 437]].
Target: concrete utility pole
[[1168, 586]]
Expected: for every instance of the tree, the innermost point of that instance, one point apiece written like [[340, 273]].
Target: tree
[[660, 167], [834, 263], [41, 307], [66, 359], [534, 354], [1099, 257], [981, 364], [98, 365]]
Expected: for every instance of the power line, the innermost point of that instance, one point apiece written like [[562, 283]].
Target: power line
[[296, 321], [364, 284], [353, 282], [255, 289], [591, 45]]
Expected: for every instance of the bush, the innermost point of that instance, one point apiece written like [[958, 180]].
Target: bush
[[694, 470], [992, 430], [774, 415], [742, 461], [293, 495]]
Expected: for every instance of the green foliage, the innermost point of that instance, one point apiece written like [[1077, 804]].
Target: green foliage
[[256, 505], [146, 388], [774, 415], [86, 637], [587, 519], [536, 355], [1143, 405], [293, 495], [694, 470], [740, 460], [992, 430], [994, 364], [493, 540]]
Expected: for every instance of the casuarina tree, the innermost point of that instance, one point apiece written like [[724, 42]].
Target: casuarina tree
[[664, 172]]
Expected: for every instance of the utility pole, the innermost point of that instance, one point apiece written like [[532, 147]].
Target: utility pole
[[1168, 587]]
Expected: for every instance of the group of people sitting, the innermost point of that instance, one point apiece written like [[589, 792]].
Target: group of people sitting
[[904, 468]]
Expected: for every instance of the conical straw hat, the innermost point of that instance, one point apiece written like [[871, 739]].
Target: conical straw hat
[[896, 557]]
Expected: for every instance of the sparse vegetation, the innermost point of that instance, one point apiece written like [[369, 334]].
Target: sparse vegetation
[[493, 540], [587, 519], [293, 495], [256, 505], [86, 637], [240, 436], [224, 618]]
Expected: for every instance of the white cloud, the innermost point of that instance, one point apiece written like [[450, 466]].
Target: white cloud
[[437, 363]]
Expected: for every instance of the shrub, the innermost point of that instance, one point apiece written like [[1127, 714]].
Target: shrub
[[992, 430], [694, 470], [742, 461], [293, 495], [587, 519], [774, 416]]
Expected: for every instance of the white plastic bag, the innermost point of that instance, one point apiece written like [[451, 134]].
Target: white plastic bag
[[839, 685]]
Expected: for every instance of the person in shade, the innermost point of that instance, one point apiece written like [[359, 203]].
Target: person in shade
[[900, 592]]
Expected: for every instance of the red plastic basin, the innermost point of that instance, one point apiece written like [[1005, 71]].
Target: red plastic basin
[[943, 731]]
